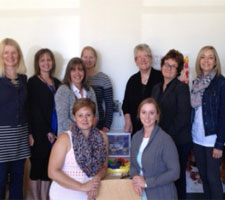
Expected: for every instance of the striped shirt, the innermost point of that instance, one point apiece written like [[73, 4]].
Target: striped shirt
[[14, 143], [104, 94]]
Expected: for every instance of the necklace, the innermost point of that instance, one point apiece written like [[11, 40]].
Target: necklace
[[48, 82]]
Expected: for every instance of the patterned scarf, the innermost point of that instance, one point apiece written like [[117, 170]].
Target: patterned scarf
[[198, 88], [90, 153]]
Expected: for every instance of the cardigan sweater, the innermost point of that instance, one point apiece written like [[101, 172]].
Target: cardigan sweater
[[13, 120], [136, 92], [13, 102], [175, 110], [64, 100], [41, 102], [160, 164]]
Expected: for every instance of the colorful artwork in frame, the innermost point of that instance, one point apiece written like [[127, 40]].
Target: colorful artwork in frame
[[119, 144]]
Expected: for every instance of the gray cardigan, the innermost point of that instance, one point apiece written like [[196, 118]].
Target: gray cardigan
[[160, 164], [64, 100]]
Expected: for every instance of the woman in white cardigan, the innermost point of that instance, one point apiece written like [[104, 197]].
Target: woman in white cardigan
[[74, 87]]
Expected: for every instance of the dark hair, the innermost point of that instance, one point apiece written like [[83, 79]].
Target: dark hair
[[177, 56], [148, 101], [37, 57], [84, 102], [70, 66]]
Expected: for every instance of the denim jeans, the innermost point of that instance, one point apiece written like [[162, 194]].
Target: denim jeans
[[12, 173], [209, 170]]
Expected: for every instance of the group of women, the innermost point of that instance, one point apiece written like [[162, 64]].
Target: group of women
[[160, 112], [34, 112], [172, 118]]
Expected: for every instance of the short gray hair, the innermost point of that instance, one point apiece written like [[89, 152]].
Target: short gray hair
[[142, 47]]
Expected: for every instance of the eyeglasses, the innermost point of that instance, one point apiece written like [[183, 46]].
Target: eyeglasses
[[167, 65]]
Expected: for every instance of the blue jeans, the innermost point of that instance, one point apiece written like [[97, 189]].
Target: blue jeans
[[12, 173], [209, 170]]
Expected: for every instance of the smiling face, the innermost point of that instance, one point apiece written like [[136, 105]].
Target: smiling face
[[148, 115], [169, 69], [45, 63], [207, 61], [77, 75], [143, 60], [84, 118], [10, 56], [89, 58]]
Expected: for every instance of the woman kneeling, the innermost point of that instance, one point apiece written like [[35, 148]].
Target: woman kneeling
[[79, 157]]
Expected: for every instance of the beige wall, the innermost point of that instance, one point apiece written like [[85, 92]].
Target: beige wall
[[114, 28]]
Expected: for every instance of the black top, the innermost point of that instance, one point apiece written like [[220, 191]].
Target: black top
[[41, 102], [175, 110], [136, 92]]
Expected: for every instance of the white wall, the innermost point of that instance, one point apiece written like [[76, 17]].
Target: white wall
[[113, 28]]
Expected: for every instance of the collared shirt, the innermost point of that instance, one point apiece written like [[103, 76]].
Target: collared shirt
[[77, 92]]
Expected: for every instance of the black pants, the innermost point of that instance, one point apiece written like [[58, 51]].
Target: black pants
[[183, 152], [209, 170]]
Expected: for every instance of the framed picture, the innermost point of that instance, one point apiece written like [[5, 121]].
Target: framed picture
[[119, 144]]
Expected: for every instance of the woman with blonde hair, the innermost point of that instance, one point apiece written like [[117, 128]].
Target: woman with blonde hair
[[14, 142], [102, 87], [208, 117]]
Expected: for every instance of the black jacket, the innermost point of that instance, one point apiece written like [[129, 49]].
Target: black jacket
[[41, 102], [175, 110], [136, 92]]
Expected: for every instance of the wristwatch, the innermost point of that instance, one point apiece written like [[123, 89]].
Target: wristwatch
[[146, 185]]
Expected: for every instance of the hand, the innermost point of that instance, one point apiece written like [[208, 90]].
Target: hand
[[90, 185], [139, 181], [51, 137], [217, 153], [93, 194], [128, 127], [137, 188], [105, 129], [31, 140]]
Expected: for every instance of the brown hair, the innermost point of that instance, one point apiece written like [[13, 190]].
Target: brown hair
[[70, 66], [84, 102], [177, 56], [37, 57], [148, 101], [20, 68], [217, 67]]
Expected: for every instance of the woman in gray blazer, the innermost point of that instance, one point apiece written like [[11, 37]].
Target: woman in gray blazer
[[154, 157], [74, 87]]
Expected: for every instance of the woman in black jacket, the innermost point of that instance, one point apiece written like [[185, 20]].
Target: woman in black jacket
[[43, 120], [173, 97]]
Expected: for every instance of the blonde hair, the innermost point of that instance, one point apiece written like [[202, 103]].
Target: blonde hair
[[90, 49], [20, 67], [217, 67]]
